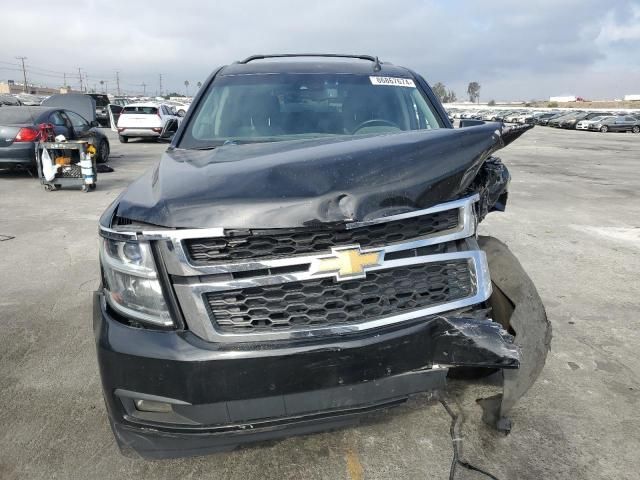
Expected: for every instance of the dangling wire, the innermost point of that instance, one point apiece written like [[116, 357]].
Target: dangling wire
[[455, 442]]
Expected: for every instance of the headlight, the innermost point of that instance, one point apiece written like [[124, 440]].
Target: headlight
[[132, 287]]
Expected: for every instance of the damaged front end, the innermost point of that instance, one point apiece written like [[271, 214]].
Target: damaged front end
[[307, 282]]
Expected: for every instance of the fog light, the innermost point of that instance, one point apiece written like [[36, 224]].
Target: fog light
[[152, 406]]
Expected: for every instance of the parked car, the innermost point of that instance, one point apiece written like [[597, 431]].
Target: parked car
[[625, 123], [555, 121], [19, 132], [9, 101], [527, 117], [179, 108], [554, 117], [469, 114], [513, 116], [572, 121], [28, 99], [276, 274], [121, 101], [586, 124], [143, 120], [543, 117]]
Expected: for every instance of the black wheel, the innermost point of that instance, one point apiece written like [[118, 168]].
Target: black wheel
[[123, 139], [636, 129], [48, 187], [604, 129], [92, 186], [103, 152], [181, 113]]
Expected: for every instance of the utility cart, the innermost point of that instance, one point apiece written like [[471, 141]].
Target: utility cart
[[65, 163]]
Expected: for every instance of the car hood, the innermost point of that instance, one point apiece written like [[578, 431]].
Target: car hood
[[83, 105], [296, 183]]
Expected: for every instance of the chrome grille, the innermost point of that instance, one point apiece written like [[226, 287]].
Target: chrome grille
[[425, 271], [324, 302], [301, 241]]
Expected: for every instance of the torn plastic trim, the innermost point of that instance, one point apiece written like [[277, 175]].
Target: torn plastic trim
[[469, 342], [528, 320]]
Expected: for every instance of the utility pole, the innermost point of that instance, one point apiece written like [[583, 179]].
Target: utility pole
[[144, 89], [65, 82], [118, 82], [80, 77], [24, 73], [160, 84]]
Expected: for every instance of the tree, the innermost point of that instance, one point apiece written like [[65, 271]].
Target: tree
[[199, 84], [186, 86], [491, 103], [445, 96], [440, 91], [450, 97], [473, 90]]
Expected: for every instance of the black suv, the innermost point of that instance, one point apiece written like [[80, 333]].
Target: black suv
[[102, 104], [306, 252]]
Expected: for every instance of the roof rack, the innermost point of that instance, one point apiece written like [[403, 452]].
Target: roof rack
[[371, 58]]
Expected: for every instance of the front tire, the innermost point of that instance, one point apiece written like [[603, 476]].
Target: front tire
[[123, 139], [604, 129], [636, 129], [103, 152]]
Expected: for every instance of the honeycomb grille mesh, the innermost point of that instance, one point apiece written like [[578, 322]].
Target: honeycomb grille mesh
[[325, 302], [210, 251]]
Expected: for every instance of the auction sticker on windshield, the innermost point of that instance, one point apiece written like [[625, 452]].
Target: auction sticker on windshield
[[393, 81]]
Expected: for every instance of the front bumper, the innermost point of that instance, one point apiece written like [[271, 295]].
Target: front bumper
[[222, 396]]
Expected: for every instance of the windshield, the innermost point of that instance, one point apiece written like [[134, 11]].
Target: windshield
[[272, 107]]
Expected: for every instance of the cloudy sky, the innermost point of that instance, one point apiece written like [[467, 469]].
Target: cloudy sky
[[516, 50]]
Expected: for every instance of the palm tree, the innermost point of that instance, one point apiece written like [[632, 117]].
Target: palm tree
[[473, 90], [186, 86], [102, 85], [199, 84]]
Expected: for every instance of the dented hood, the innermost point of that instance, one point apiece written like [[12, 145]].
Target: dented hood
[[304, 182]]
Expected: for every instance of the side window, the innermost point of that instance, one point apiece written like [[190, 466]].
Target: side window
[[76, 120], [56, 119], [630, 119]]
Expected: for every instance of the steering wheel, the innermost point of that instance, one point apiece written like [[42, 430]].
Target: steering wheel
[[375, 122]]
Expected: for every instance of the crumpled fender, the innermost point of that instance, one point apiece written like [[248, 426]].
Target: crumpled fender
[[517, 305]]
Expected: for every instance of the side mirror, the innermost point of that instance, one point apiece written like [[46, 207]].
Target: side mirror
[[169, 130], [469, 122], [94, 123]]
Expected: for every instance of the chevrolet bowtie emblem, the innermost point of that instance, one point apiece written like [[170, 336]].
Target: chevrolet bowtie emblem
[[347, 262]]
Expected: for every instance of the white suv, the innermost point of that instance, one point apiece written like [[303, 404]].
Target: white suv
[[143, 120]]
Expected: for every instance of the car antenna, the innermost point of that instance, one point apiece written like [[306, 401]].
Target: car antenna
[[376, 66]]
